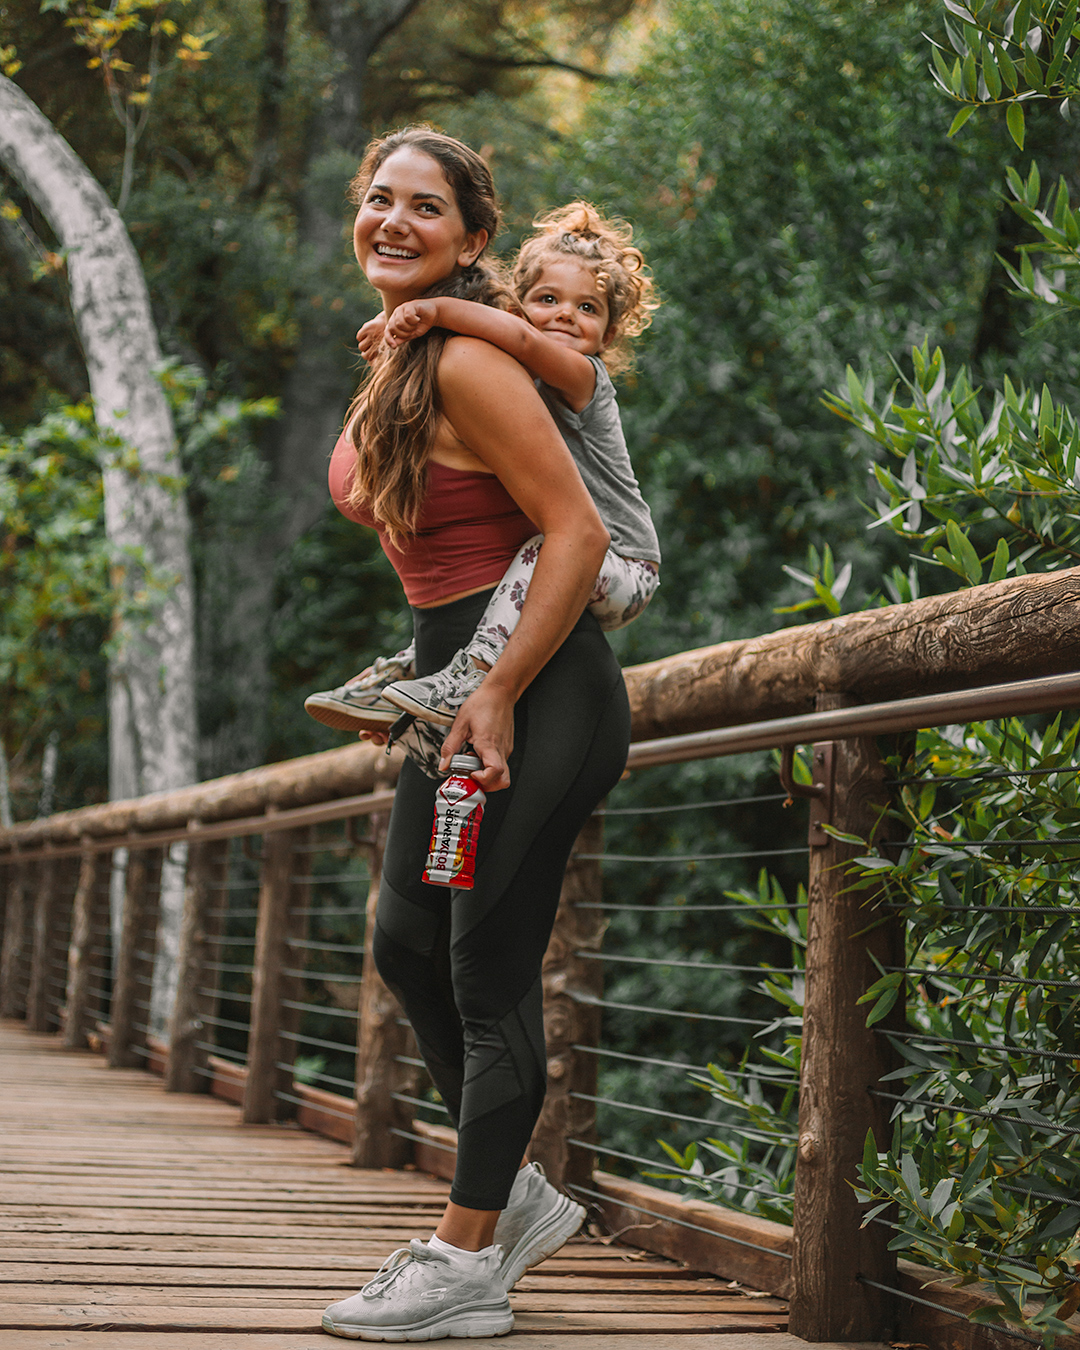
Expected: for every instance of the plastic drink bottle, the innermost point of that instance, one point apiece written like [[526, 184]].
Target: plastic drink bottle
[[459, 809]]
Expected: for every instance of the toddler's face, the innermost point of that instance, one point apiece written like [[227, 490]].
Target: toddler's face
[[566, 303]]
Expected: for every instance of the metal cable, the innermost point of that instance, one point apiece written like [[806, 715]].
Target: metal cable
[[341, 1047], [689, 806], [1003, 909], [224, 968], [666, 1063], [350, 947], [974, 1111], [419, 1101], [225, 1022], [693, 965], [1065, 1055], [660, 1162], [593, 1002], [668, 1218], [944, 974], [229, 996], [336, 977], [349, 1083], [940, 1307], [222, 1052], [687, 857], [318, 1008], [677, 1115], [685, 909], [982, 777], [335, 913], [315, 1106], [420, 1139]]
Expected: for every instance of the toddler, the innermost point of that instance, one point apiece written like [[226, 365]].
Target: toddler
[[584, 294]]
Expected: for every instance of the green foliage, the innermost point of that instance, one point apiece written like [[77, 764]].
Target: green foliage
[[54, 622], [989, 1065]]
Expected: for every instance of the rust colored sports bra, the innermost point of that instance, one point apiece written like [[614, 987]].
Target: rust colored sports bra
[[469, 531]]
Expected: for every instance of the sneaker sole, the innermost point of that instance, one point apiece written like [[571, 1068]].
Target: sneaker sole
[[345, 719], [463, 1323], [421, 710], [542, 1240]]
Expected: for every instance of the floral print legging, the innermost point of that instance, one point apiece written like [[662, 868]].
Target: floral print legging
[[623, 589]]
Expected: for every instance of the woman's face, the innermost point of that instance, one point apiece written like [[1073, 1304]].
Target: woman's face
[[409, 232]]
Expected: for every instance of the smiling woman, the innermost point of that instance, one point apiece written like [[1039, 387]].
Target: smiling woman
[[451, 454]]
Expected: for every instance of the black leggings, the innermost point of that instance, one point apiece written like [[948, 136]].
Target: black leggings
[[466, 964]]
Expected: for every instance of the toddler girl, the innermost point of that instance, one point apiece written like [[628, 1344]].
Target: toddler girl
[[584, 294]]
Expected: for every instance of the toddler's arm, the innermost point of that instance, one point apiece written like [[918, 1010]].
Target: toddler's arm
[[564, 369]]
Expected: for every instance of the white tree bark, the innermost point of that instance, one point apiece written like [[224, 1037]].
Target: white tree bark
[[152, 733]]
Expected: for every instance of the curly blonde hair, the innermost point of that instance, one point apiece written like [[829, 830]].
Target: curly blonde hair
[[604, 246]]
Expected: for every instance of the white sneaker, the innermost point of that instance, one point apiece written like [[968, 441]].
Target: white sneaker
[[420, 1294], [359, 705], [536, 1227], [437, 698]]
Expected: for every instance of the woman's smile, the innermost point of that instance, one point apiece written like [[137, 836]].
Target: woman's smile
[[409, 232]]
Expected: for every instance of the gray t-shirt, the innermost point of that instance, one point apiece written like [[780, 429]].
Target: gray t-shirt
[[595, 438]]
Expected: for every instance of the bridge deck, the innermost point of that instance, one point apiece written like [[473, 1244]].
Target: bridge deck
[[137, 1219]]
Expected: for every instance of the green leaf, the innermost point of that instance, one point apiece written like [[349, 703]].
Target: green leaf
[[963, 551], [1014, 120], [1000, 567], [960, 118]]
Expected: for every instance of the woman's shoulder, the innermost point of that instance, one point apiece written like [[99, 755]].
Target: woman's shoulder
[[469, 362]]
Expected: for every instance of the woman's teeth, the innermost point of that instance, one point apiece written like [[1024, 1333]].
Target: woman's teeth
[[385, 251]]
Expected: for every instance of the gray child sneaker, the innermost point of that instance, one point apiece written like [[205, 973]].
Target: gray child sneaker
[[536, 1227], [359, 705], [421, 1295], [437, 698]]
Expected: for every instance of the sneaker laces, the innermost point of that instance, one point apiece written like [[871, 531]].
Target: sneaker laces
[[398, 1263], [447, 684]]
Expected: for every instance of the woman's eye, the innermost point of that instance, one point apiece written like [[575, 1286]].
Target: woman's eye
[[589, 307], [377, 198]]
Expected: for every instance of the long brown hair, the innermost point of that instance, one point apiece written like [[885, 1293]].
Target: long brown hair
[[395, 413], [605, 247]]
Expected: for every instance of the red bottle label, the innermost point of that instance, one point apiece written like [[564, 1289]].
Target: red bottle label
[[459, 809]]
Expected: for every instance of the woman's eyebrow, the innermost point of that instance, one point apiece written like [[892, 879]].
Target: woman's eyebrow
[[416, 197]]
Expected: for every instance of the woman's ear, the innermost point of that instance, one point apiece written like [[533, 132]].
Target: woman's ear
[[475, 244]]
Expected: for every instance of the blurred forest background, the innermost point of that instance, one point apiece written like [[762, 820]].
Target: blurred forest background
[[786, 168]]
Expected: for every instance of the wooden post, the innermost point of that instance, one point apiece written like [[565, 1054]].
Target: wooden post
[[568, 1022], [381, 1039], [16, 915], [207, 867], [143, 869], [271, 958], [43, 917], [841, 1061], [87, 911]]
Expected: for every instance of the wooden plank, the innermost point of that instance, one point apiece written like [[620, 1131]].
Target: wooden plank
[[569, 1022], [842, 1061], [196, 1316], [726, 1242], [178, 1340]]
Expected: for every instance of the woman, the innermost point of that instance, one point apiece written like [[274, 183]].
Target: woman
[[453, 457]]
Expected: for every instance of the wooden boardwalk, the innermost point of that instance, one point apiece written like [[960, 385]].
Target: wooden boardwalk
[[136, 1219]]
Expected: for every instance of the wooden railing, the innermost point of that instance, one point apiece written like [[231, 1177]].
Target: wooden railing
[[835, 685]]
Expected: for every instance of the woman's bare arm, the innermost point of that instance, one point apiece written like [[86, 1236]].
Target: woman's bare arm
[[492, 405]]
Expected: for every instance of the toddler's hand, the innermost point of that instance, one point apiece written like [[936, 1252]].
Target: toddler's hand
[[369, 338], [410, 320]]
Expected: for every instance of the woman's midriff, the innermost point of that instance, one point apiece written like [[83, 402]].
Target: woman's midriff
[[469, 530]]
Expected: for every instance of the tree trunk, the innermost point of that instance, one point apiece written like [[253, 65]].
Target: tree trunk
[[152, 710], [152, 732]]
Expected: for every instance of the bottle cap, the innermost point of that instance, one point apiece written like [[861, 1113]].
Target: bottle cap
[[465, 763]]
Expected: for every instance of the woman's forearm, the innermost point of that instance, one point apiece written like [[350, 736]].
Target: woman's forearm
[[565, 573]]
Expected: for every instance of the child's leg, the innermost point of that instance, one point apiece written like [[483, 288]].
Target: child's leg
[[504, 608], [623, 589]]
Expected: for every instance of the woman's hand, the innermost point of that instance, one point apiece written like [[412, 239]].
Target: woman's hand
[[374, 737], [369, 338], [411, 320], [485, 721]]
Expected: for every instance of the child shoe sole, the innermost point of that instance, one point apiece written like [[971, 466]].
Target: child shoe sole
[[343, 718], [462, 1323], [542, 1240]]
